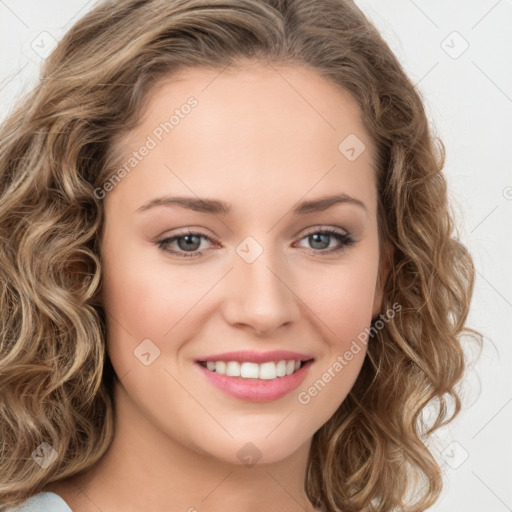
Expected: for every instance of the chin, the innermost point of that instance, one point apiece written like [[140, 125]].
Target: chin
[[260, 448]]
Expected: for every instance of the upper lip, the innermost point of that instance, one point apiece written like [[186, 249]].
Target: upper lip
[[257, 357]]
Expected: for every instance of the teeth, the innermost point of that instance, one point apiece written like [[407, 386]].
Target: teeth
[[268, 371], [233, 369], [220, 367], [249, 370], [246, 370], [281, 368]]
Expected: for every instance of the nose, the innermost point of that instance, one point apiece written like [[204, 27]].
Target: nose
[[260, 295]]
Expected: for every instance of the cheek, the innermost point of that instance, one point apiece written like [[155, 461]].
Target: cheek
[[344, 310], [345, 297], [145, 299], [141, 292]]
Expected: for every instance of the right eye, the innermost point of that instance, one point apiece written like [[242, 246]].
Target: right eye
[[188, 243]]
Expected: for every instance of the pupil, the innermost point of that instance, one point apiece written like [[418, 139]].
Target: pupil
[[190, 244], [316, 237]]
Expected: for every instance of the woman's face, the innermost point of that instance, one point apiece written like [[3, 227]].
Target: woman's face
[[249, 153]]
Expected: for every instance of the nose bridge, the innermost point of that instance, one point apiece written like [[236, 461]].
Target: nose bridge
[[259, 294]]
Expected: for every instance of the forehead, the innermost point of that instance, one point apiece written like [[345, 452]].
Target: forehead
[[285, 126], [239, 89], [236, 101]]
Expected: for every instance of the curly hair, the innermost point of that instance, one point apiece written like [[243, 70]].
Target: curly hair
[[59, 146]]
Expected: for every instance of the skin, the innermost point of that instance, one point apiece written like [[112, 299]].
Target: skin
[[261, 138]]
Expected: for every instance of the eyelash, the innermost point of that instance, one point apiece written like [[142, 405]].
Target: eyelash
[[344, 238]]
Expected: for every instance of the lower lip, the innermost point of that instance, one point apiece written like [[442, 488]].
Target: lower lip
[[257, 390]]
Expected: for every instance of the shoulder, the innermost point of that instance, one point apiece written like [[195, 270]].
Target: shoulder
[[42, 502]]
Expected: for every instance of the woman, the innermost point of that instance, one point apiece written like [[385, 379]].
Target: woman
[[230, 279]]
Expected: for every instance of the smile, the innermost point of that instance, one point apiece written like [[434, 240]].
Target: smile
[[245, 370], [256, 377]]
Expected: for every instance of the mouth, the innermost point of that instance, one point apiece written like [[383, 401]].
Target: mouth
[[247, 370], [256, 377]]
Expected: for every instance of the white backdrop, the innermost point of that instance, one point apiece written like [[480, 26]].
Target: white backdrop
[[457, 53]]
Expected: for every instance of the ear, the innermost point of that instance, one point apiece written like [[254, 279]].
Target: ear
[[385, 259]]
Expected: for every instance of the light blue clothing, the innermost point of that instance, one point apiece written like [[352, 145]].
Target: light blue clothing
[[48, 502], [42, 502]]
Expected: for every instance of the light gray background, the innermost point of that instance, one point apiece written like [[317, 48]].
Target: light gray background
[[468, 95]]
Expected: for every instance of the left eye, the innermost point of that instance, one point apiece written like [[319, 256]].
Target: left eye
[[190, 242], [321, 237]]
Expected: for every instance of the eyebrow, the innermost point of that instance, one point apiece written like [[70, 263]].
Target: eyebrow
[[215, 206]]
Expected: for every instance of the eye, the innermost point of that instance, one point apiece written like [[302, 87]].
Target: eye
[[188, 243], [320, 240]]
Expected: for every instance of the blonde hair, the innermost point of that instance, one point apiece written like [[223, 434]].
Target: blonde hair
[[59, 146]]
